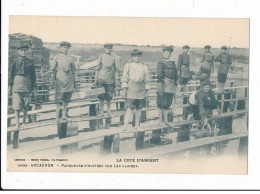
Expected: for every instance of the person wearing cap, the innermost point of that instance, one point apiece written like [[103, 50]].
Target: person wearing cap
[[207, 62], [21, 82], [135, 82], [225, 63], [167, 81], [107, 76], [184, 67], [206, 102], [203, 110], [64, 71]]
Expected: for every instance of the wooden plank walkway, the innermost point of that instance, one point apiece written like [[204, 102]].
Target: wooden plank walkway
[[82, 119], [106, 132], [89, 118]]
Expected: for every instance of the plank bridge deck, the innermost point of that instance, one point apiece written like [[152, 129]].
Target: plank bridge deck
[[114, 131]]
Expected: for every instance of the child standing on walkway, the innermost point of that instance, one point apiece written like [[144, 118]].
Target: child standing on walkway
[[64, 73], [107, 76], [167, 82], [22, 81], [135, 81]]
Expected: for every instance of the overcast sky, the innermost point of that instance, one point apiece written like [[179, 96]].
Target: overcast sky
[[195, 32]]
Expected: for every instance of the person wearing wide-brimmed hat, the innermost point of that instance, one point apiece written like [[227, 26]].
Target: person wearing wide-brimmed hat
[[106, 76], [135, 82], [22, 81], [167, 81], [225, 63], [184, 67], [64, 76], [207, 62]]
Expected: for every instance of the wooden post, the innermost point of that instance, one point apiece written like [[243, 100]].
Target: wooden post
[[246, 94], [133, 121], [62, 128], [10, 110], [184, 131], [143, 113], [122, 107], [139, 143], [67, 129], [9, 134], [116, 143], [16, 140], [156, 137], [92, 112], [227, 105], [243, 146], [107, 145], [231, 103], [225, 125]]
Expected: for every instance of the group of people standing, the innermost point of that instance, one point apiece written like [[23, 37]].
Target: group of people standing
[[134, 81], [169, 76]]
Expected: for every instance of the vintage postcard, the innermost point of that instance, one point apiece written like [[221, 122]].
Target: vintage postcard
[[128, 95]]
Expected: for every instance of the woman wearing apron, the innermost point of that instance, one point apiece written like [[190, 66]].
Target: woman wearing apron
[[167, 82], [64, 73], [135, 81], [184, 68], [207, 62]]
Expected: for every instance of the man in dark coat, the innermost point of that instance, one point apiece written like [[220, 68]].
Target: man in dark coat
[[21, 82]]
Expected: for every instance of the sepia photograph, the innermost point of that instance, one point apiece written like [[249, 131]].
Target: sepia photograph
[[128, 95]]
